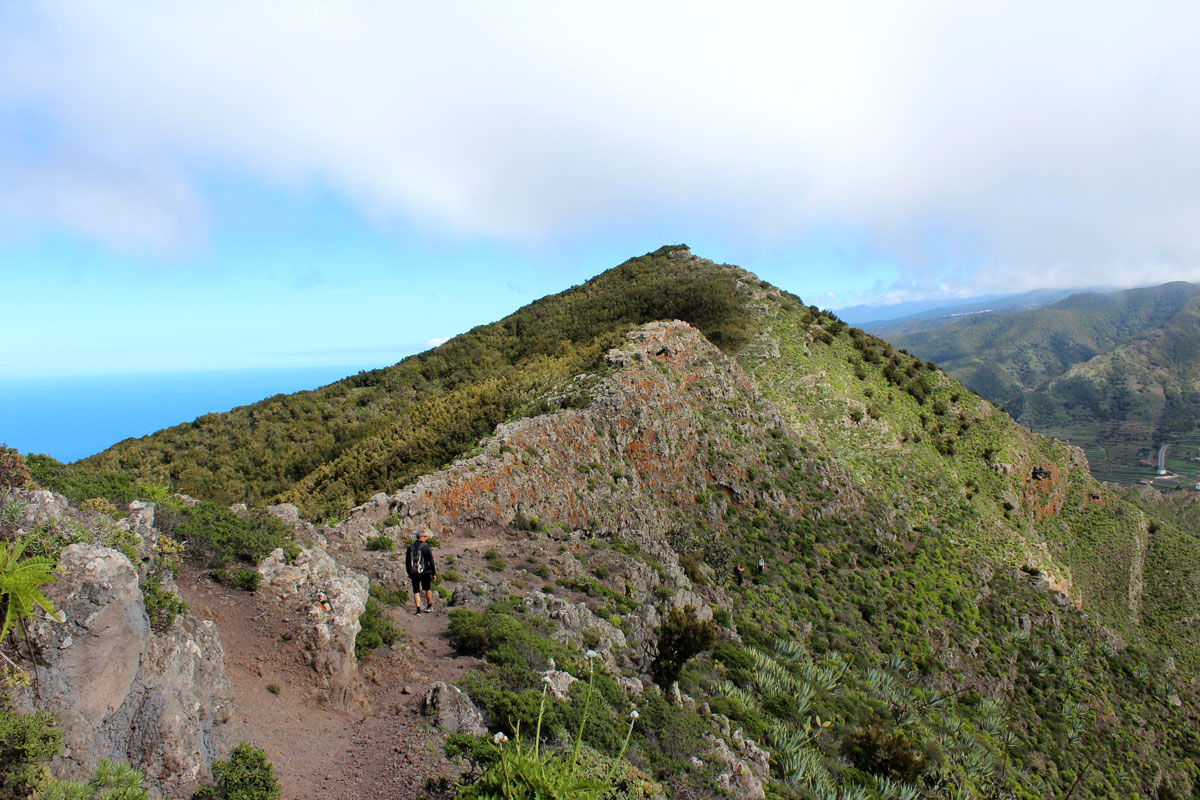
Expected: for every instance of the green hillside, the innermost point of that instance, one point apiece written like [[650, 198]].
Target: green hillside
[[1117, 373], [328, 449], [953, 608]]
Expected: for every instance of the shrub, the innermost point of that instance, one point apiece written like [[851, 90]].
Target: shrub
[[880, 749], [680, 637], [381, 542], [111, 780], [246, 579], [524, 523], [100, 506], [230, 537], [14, 472], [162, 605], [247, 775], [27, 741], [691, 568], [389, 597], [377, 630]]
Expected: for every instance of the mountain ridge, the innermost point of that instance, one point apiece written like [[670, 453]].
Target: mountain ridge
[[939, 583]]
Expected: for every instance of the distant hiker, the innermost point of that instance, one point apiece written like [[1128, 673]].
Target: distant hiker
[[762, 565], [739, 570], [418, 561]]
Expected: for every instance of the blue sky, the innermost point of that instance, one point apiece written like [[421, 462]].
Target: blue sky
[[191, 186]]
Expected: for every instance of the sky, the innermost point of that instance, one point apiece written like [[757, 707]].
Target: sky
[[219, 185]]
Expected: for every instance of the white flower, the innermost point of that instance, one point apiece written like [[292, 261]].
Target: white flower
[[546, 679], [592, 654], [499, 738], [634, 714]]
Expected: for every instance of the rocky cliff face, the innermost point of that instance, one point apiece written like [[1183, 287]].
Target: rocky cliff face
[[158, 700]]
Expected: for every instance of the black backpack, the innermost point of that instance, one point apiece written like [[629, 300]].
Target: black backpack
[[415, 559]]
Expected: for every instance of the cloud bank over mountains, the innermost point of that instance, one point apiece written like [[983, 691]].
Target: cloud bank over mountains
[[1045, 144]]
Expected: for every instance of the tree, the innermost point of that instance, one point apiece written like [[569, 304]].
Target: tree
[[680, 637]]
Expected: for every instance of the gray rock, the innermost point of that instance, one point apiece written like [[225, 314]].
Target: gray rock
[[575, 620], [736, 775], [453, 711], [559, 682], [140, 522], [161, 702], [335, 598], [40, 506]]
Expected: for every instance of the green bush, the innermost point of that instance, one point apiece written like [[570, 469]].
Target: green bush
[[381, 543], [376, 630], [162, 605], [880, 749], [111, 780], [27, 741], [245, 579], [247, 775], [230, 537]]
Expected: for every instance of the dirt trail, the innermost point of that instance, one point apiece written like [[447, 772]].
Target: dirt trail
[[382, 750]]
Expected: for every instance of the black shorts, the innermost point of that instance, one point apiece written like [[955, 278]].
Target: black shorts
[[422, 582]]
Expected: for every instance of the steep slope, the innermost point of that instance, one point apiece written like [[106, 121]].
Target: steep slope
[[1118, 373], [904, 521]]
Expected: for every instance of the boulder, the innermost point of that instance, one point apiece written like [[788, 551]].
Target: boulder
[[40, 506], [453, 711], [334, 598], [161, 702]]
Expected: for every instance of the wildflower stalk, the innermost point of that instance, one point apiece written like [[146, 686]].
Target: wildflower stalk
[[633, 715], [537, 735], [587, 703]]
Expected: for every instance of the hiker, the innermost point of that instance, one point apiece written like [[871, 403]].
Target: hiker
[[739, 570], [418, 561], [762, 565]]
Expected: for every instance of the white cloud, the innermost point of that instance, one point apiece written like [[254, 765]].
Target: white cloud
[[437, 341], [1055, 142]]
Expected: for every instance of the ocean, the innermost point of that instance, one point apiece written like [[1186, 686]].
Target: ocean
[[72, 418]]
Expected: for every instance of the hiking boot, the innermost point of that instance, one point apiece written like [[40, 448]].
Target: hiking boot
[[428, 609], [417, 612]]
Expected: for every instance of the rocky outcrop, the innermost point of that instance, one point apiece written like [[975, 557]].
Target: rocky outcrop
[[333, 597], [742, 777], [160, 701], [453, 711], [40, 506], [640, 452]]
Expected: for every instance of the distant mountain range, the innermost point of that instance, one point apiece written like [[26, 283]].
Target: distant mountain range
[[1115, 372], [903, 317]]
